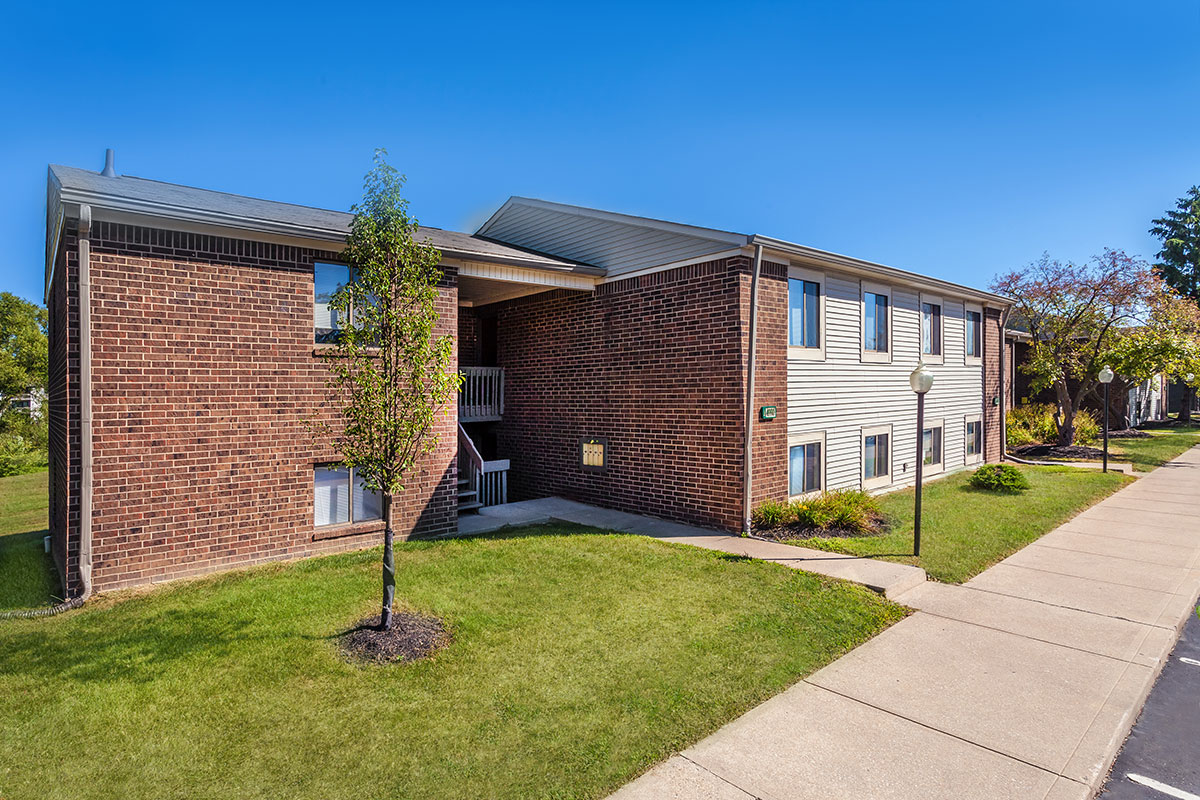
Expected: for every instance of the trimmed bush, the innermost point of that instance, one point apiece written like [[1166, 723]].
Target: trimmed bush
[[17, 456], [999, 478]]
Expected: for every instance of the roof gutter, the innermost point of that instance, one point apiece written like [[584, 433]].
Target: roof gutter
[[874, 270], [748, 438]]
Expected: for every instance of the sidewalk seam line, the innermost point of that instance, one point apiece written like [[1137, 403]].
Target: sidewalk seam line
[[1080, 577], [1073, 608], [721, 778], [1040, 543], [1037, 639], [1002, 754]]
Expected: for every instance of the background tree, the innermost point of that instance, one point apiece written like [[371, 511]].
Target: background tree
[[23, 348], [1179, 263], [391, 373], [1114, 310]]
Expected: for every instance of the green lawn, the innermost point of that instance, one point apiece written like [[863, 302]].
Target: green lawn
[[965, 530], [1165, 444], [27, 576], [577, 662]]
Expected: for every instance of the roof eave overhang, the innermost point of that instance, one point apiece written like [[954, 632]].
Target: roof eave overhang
[[871, 269], [69, 201]]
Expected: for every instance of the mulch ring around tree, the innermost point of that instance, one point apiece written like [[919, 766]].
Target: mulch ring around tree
[[411, 638], [1057, 451]]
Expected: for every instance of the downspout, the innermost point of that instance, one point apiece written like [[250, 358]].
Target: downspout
[[85, 402], [748, 445], [1003, 383]]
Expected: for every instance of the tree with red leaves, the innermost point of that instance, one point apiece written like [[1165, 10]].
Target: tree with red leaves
[[1114, 311]]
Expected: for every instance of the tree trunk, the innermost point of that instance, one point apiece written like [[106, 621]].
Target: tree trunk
[[1185, 407], [389, 565], [1065, 415]]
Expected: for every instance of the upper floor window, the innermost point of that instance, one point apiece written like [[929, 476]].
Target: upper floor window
[[328, 279], [973, 321], [804, 313], [876, 303], [931, 328]]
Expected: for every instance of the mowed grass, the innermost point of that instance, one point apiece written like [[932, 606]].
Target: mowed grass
[[27, 575], [965, 530], [578, 660], [1164, 444]]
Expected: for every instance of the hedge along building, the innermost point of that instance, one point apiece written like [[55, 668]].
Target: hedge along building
[[606, 359]]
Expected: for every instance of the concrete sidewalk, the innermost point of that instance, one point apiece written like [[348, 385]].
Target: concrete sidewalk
[[1021, 683]]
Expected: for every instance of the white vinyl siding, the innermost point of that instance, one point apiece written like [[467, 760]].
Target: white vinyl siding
[[842, 395]]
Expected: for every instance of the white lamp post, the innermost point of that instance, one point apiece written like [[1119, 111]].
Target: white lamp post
[[1106, 376], [921, 381]]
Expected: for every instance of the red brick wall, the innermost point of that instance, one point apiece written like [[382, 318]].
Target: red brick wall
[[770, 476], [991, 384], [654, 364], [468, 338], [204, 376]]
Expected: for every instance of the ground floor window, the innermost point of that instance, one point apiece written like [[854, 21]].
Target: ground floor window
[[974, 436], [877, 456], [931, 445], [339, 497], [806, 464]]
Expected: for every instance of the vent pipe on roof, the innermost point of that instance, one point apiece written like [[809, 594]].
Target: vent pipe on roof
[[108, 170]]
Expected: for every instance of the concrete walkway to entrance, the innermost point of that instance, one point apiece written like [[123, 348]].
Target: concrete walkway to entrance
[[885, 577], [1021, 683]]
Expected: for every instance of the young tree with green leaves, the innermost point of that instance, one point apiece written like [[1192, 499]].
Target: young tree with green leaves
[[391, 372], [1179, 264], [1113, 311]]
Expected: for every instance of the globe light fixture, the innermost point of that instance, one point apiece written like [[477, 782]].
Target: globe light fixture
[[1106, 375], [921, 381], [921, 378]]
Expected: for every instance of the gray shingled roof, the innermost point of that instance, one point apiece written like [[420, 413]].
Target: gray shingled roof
[[172, 201]]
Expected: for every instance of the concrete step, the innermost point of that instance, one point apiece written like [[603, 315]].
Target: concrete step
[[466, 508]]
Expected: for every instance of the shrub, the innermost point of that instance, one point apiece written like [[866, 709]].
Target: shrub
[[771, 514], [845, 510], [1033, 423], [1087, 429], [999, 478], [17, 456]]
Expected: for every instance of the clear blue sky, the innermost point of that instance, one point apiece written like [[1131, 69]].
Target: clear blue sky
[[953, 138]]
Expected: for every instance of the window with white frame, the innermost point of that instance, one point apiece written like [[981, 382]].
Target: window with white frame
[[932, 441], [931, 328], [806, 464], [806, 313], [876, 322], [877, 456], [973, 429], [340, 498], [973, 325]]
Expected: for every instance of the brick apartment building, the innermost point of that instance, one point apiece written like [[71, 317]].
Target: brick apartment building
[[606, 359]]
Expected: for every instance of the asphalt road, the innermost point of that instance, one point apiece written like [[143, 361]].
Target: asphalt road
[[1161, 757]]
